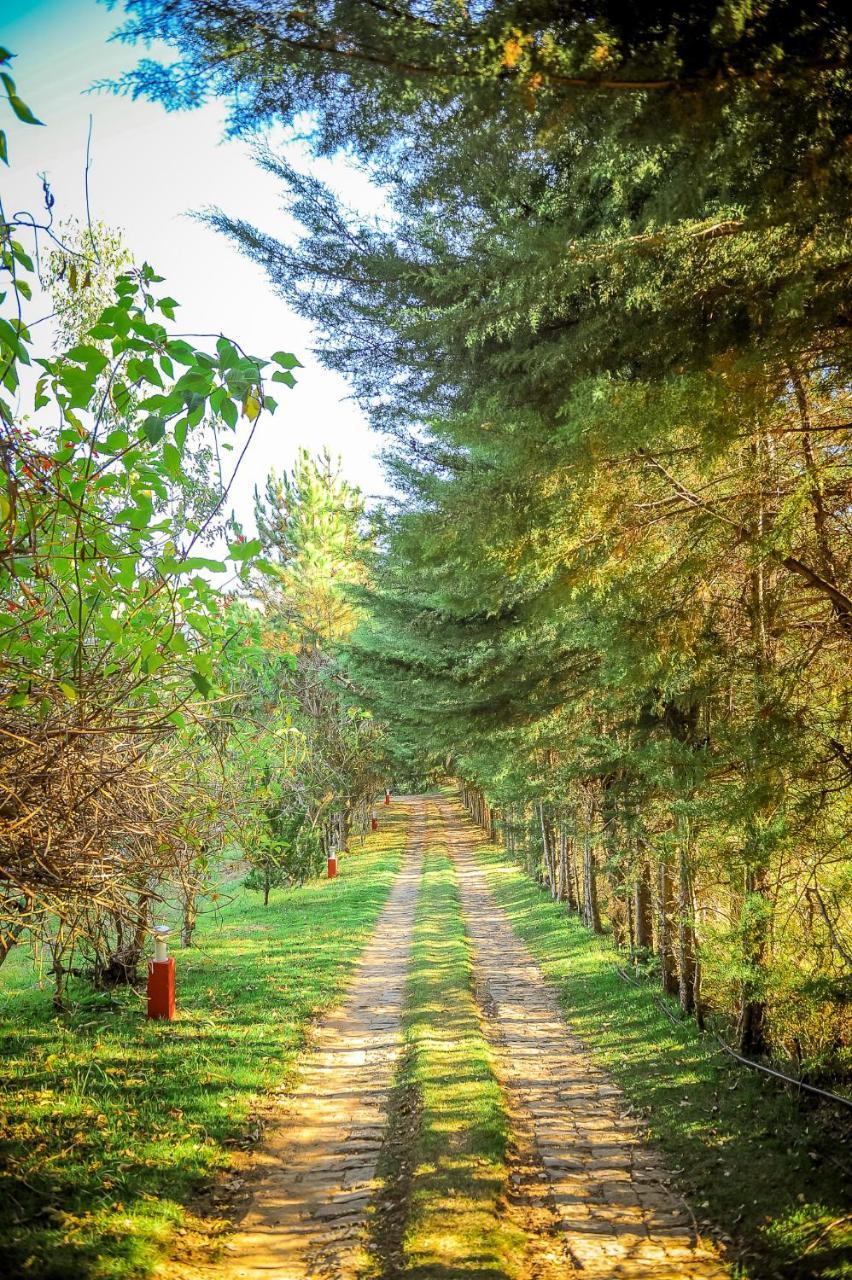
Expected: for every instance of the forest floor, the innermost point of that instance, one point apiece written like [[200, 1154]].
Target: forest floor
[[483, 1097]]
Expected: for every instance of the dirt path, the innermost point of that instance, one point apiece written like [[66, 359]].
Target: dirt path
[[603, 1199], [313, 1176]]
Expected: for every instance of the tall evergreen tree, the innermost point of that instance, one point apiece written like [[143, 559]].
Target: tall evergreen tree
[[311, 524]]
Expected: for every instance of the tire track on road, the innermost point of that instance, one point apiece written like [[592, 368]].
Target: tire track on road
[[314, 1174]]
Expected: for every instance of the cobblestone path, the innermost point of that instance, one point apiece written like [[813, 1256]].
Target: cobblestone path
[[315, 1171], [605, 1190]]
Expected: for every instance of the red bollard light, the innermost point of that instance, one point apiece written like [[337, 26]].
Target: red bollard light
[[374, 823], [161, 977], [387, 797], [332, 865]]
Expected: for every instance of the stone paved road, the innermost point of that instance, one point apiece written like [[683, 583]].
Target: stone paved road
[[588, 1195], [315, 1172], [607, 1189]]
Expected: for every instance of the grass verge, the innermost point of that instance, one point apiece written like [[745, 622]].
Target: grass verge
[[449, 1192], [765, 1174], [109, 1123]]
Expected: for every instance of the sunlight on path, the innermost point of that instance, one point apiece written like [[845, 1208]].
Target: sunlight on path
[[317, 1165], [607, 1191]]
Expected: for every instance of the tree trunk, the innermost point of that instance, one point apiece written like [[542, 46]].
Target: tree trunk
[[343, 828], [643, 928], [143, 914], [266, 885], [565, 878], [548, 850], [751, 1030], [575, 875], [665, 948], [591, 910], [685, 934], [618, 914], [190, 918], [61, 941]]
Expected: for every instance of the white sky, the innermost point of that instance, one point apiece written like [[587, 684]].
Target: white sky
[[149, 169]]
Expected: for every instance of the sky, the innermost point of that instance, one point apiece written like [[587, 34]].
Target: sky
[[149, 170]]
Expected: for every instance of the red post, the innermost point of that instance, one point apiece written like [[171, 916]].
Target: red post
[[161, 988], [387, 797], [374, 823], [332, 865]]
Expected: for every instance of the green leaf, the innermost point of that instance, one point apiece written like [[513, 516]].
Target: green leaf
[[286, 360], [110, 627], [69, 691], [245, 550], [88, 355], [20, 108], [201, 683], [228, 354], [195, 414], [116, 441], [137, 517], [172, 460], [192, 563], [22, 256], [181, 351], [154, 429], [286, 378]]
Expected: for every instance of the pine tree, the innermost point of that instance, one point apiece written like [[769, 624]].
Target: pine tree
[[311, 523]]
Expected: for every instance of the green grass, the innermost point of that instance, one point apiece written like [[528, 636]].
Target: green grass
[[108, 1122], [754, 1164], [458, 1169]]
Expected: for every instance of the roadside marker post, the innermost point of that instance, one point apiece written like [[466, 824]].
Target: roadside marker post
[[387, 797], [374, 823], [161, 977], [332, 865]]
